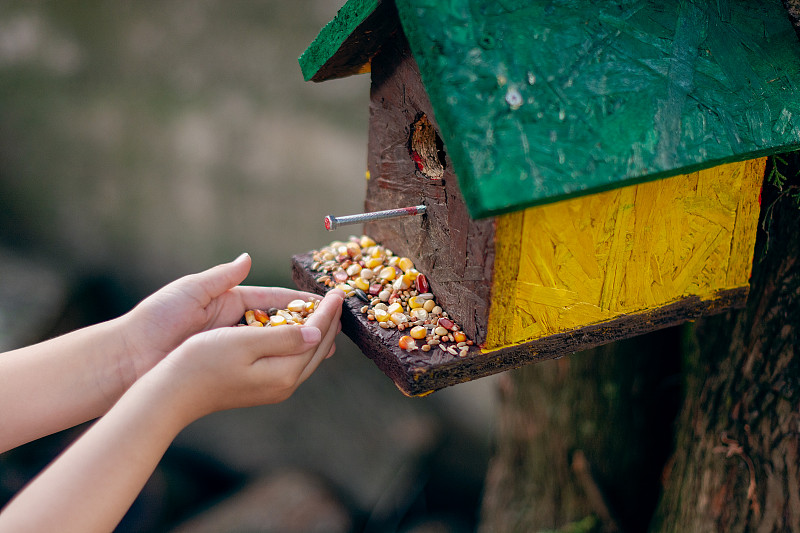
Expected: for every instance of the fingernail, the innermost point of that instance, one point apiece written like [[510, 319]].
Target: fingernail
[[241, 257], [339, 293], [311, 334]]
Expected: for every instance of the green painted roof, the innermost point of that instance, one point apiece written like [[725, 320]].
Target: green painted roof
[[541, 101]]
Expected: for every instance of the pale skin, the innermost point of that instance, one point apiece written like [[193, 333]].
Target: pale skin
[[148, 374]]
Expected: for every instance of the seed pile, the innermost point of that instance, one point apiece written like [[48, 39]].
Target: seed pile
[[295, 313], [396, 295]]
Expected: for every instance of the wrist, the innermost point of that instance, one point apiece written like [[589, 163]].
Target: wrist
[[174, 394]]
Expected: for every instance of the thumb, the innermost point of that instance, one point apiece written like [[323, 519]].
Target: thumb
[[221, 278]]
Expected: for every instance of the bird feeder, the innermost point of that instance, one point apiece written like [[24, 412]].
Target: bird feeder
[[589, 171]]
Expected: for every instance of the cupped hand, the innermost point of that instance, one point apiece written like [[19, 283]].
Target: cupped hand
[[234, 367], [194, 303]]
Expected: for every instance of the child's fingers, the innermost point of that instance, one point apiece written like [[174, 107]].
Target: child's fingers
[[325, 320], [209, 284], [265, 297], [327, 345]]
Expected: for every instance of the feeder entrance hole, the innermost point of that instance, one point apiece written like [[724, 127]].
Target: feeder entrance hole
[[426, 148]]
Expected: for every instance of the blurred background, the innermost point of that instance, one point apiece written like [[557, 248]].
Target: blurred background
[[142, 141]]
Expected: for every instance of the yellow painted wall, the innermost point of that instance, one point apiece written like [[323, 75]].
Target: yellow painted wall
[[591, 259]]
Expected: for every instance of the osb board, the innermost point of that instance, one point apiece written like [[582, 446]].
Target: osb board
[[592, 259], [347, 43], [542, 101], [419, 373], [455, 252]]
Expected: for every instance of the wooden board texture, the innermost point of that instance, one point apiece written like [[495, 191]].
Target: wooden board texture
[[347, 43], [542, 101], [563, 266], [455, 252], [419, 373]]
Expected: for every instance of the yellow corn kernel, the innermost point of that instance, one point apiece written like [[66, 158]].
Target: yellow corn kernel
[[377, 252], [277, 320], [250, 317], [366, 242], [387, 273], [396, 307], [405, 264], [361, 283], [418, 332], [346, 289], [310, 306], [402, 283], [373, 262], [381, 315]]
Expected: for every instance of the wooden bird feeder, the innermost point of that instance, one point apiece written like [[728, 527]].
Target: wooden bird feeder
[[590, 171]]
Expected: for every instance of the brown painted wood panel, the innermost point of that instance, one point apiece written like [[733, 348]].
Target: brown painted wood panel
[[453, 251]]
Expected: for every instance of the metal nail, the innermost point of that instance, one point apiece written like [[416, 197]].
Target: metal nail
[[332, 222]]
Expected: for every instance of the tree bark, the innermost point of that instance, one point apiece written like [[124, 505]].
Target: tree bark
[[736, 461], [581, 440]]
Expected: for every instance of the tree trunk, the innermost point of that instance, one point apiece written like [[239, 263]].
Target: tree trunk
[[581, 440], [736, 461]]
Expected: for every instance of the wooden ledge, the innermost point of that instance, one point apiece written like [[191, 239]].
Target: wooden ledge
[[419, 373]]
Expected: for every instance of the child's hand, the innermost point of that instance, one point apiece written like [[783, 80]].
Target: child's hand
[[192, 304], [245, 366]]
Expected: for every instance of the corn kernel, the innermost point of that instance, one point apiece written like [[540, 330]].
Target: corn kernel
[[402, 283], [353, 269], [418, 332], [361, 283], [381, 315], [419, 314], [459, 336], [260, 315], [429, 305], [249, 317], [373, 262], [377, 253], [296, 306], [405, 264], [347, 289], [388, 273], [407, 343], [366, 242], [398, 318], [310, 306], [415, 302], [396, 307], [277, 320]]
